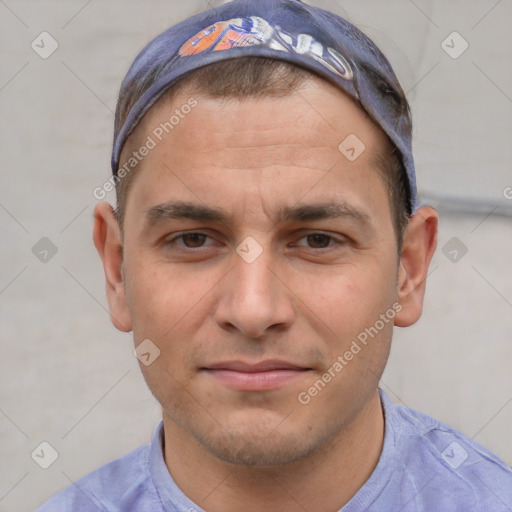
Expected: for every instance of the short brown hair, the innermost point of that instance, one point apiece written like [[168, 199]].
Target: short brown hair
[[264, 77]]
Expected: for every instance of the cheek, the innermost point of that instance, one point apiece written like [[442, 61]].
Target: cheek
[[351, 303], [165, 300], [166, 307], [351, 297]]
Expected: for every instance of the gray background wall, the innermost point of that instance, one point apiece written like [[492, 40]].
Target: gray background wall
[[69, 378]]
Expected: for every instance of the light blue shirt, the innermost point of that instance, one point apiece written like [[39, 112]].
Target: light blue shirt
[[424, 466]]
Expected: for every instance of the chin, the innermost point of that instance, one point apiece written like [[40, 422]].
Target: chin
[[256, 451], [260, 443]]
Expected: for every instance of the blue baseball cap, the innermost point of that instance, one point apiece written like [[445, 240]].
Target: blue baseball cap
[[289, 30]]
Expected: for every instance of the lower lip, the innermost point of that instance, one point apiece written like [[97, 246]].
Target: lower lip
[[255, 381]]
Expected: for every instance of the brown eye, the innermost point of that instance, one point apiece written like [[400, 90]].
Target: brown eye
[[318, 240], [193, 240]]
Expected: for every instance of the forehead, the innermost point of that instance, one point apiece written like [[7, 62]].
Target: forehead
[[317, 114], [311, 132]]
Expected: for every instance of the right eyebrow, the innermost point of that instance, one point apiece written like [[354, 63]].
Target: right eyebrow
[[185, 210]]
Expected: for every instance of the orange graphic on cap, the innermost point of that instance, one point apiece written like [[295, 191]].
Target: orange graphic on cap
[[224, 35], [203, 39]]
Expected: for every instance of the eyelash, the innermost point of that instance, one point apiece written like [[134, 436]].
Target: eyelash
[[184, 248]]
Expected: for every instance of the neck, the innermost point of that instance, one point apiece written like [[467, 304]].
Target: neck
[[326, 480]]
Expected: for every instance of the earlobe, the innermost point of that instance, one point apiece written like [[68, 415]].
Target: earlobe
[[420, 241], [108, 243]]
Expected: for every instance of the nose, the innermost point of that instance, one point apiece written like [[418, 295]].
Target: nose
[[255, 298]]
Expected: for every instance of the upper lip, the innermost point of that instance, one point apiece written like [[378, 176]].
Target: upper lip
[[250, 367]]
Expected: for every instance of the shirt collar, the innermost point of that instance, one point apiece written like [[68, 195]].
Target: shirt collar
[[171, 496]]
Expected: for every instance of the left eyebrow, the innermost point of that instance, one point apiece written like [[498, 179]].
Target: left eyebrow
[[321, 211]]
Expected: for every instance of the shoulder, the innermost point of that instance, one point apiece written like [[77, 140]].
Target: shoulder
[[461, 470], [119, 485]]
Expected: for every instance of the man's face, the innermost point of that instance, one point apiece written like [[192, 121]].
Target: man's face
[[216, 313]]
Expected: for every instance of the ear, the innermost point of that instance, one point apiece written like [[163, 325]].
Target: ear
[[420, 241], [108, 243]]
